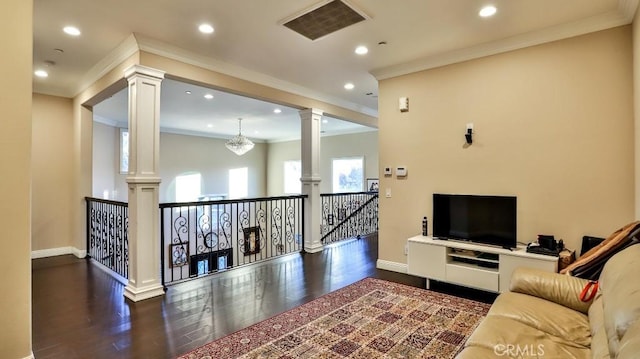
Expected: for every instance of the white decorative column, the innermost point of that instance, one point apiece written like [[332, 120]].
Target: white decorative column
[[144, 183], [311, 121]]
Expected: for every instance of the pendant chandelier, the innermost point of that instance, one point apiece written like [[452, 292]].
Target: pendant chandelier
[[239, 144]]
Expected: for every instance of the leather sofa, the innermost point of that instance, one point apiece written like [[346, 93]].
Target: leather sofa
[[542, 316]]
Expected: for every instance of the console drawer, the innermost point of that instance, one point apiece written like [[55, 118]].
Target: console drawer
[[472, 276]]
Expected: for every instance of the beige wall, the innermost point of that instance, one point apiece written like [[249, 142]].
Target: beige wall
[[279, 152], [363, 144], [636, 103], [52, 172], [553, 126], [106, 165], [180, 154], [16, 37]]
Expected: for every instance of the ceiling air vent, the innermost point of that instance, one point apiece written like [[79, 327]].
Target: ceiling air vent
[[324, 19]]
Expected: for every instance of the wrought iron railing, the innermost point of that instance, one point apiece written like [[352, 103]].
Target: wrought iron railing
[[199, 238], [348, 215], [107, 239]]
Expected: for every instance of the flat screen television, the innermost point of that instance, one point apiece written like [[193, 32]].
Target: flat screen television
[[481, 219]]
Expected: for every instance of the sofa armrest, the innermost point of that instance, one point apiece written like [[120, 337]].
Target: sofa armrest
[[559, 288]]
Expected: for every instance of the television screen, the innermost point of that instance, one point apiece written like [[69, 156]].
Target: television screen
[[481, 219]]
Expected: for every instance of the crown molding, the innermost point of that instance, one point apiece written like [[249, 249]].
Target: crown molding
[[176, 131], [628, 8], [107, 121], [143, 71], [622, 16], [126, 49], [176, 53]]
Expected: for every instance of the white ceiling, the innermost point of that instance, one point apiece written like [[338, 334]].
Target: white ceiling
[[193, 114], [250, 42]]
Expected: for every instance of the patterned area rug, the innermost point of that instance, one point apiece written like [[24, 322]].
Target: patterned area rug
[[368, 319]]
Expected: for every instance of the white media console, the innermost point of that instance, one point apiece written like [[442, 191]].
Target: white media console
[[472, 265]]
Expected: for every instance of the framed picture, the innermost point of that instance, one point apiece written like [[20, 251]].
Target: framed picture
[[372, 184], [330, 219], [179, 254], [251, 240]]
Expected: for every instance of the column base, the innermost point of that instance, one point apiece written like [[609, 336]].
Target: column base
[[313, 247], [137, 294]]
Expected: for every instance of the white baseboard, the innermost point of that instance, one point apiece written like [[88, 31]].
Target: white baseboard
[[391, 266], [52, 252], [80, 253], [30, 356], [115, 275]]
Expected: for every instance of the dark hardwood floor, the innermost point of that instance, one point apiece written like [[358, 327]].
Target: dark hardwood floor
[[79, 310]]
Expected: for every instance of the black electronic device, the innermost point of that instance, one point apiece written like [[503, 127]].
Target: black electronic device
[[547, 241], [589, 242], [538, 249], [477, 218], [546, 245]]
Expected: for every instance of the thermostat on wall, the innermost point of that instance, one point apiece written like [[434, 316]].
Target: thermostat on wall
[[401, 171]]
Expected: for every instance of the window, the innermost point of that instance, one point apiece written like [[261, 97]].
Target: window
[[347, 174], [292, 174], [124, 151], [238, 182], [188, 187]]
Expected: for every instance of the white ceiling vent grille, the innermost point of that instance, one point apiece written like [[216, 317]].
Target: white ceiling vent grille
[[325, 19]]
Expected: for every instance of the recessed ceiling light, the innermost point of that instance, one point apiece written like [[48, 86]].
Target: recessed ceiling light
[[488, 11], [71, 30], [361, 50], [188, 92], [349, 86], [210, 125], [41, 73], [208, 96], [205, 28], [277, 110]]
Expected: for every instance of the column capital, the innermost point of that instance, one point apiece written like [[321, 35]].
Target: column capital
[[310, 112], [144, 71], [143, 180]]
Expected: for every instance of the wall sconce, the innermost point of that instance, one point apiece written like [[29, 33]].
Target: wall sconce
[[403, 104], [469, 136]]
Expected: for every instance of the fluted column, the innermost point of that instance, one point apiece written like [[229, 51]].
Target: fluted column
[[144, 183], [311, 122]]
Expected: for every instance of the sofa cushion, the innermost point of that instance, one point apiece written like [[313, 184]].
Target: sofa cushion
[[621, 300], [561, 289], [630, 346], [599, 343], [543, 315], [501, 336]]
